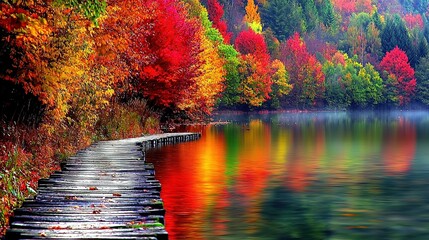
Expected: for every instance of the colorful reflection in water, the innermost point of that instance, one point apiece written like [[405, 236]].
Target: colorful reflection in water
[[300, 176]]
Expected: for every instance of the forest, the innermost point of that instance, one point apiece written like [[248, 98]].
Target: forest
[[76, 71]]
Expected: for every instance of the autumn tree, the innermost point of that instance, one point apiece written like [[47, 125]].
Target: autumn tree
[[363, 36], [399, 75], [414, 21], [91, 9], [209, 82], [304, 70], [231, 94], [160, 49], [214, 66], [280, 84], [345, 7], [366, 87], [51, 57], [249, 42], [53, 92], [252, 18], [256, 82], [254, 68], [216, 12], [273, 44], [228, 70], [335, 89], [349, 84]]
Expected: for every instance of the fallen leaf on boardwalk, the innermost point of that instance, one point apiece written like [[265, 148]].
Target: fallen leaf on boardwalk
[[93, 188], [58, 227], [104, 227], [55, 210], [117, 194], [96, 212], [76, 207], [42, 234], [70, 197]]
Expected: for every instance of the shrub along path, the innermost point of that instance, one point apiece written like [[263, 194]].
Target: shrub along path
[[107, 191]]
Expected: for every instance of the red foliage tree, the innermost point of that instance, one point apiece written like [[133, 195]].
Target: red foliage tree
[[413, 21], [345, 6], [158, 46], [249, 42], [9, 21], [215, 10], [255, 67], [173, 49], [396, 64], [304, 69]]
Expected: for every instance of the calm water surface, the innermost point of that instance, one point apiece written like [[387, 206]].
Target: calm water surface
[[300, 176]]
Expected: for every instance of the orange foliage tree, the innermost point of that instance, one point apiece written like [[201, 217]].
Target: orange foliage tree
[[209, 81], [46, 61], [252, 17]]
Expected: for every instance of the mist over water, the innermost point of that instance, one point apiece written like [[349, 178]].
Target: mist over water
[[320, 175]]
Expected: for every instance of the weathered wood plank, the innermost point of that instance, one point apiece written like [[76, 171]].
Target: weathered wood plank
[[107, 191]]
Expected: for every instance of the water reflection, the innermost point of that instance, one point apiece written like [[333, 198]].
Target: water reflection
[[300, 176]]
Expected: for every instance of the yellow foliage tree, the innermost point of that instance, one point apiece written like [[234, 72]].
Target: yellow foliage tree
[[280, 79], [252, 17], [209, 83]]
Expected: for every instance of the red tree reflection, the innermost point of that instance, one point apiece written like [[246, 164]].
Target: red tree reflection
[[306, 160], [399, 147]]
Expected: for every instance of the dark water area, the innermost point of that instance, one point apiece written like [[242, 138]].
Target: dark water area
[[322, 175]]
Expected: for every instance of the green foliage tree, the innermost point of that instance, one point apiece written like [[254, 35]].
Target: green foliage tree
[[395, 34], [273, 43], [283, 17], [422, 77], [280, 86], [327, 15], [310, 13], [335, 90], [363, 37], [349, 84], [231, 94]]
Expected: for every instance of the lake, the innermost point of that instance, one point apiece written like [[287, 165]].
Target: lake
[[317, 175]]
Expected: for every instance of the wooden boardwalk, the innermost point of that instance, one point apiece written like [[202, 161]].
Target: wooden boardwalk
[[107, 191]]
